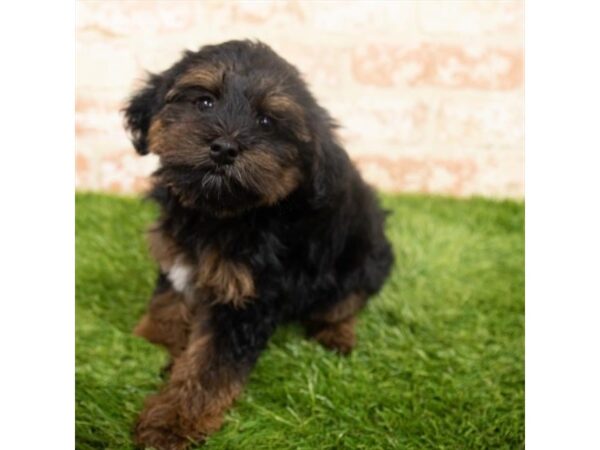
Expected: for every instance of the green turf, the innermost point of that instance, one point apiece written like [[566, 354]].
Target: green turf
[[440, 356]]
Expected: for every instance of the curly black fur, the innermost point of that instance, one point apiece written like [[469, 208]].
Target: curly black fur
[[311, 246]]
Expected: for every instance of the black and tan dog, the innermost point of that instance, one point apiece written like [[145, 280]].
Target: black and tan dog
[[264, 220]]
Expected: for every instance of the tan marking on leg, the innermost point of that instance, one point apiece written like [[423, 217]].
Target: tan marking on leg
[[166, 323], [192, 404], [342, 309], [339, 336], [334, 327]]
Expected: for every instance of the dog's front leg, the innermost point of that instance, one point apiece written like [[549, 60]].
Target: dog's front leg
[[205, 380]]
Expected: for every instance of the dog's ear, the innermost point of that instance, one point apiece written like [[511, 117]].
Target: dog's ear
[[330, 167], [139, 110]]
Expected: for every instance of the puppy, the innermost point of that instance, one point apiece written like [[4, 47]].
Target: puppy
[[264, 220]]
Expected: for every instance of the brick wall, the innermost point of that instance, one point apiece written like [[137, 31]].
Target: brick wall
[[429, 93]]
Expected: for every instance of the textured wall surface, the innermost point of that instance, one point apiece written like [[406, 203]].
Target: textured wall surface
[[429, 94]]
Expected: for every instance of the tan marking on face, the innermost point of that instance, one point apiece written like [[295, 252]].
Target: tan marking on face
[[209, 78], [283, 106], [267, 176], [156, 135], [174, 143], [227, 281], [290, 178]]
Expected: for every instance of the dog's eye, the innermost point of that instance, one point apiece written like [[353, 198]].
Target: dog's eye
[[205, 102], [265, 122]]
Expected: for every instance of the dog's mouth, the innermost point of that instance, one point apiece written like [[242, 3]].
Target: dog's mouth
[[223, 177], [222, 170], [217, 189], [251, 180]]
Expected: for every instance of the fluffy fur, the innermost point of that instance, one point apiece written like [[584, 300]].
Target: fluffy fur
[[264, 220]]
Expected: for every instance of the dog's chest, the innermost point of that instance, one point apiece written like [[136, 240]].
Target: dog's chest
[[180, 274], [212, 277]]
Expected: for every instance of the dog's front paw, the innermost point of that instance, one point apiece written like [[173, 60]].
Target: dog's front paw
[[149, 437], [160, 427]]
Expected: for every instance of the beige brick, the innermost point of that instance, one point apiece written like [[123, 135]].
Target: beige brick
[[496, 174], [422, 174], [125, 172], [451, 66], [324, 67], [270, 13], [384, 123], [104, 64], [428, 93], [118, 18], [470, 17], [490, 122], [374, 16]]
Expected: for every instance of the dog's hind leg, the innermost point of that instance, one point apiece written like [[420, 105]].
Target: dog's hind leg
[[334, 327]]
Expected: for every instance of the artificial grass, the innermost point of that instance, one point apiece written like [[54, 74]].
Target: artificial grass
[[440, 355]]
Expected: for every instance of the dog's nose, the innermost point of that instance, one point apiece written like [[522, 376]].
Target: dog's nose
[[223, 150]]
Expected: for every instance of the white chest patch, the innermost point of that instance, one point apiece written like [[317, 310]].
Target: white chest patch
[[180, 274]]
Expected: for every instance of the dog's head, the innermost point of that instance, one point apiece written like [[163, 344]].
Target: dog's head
[[235, 127]]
